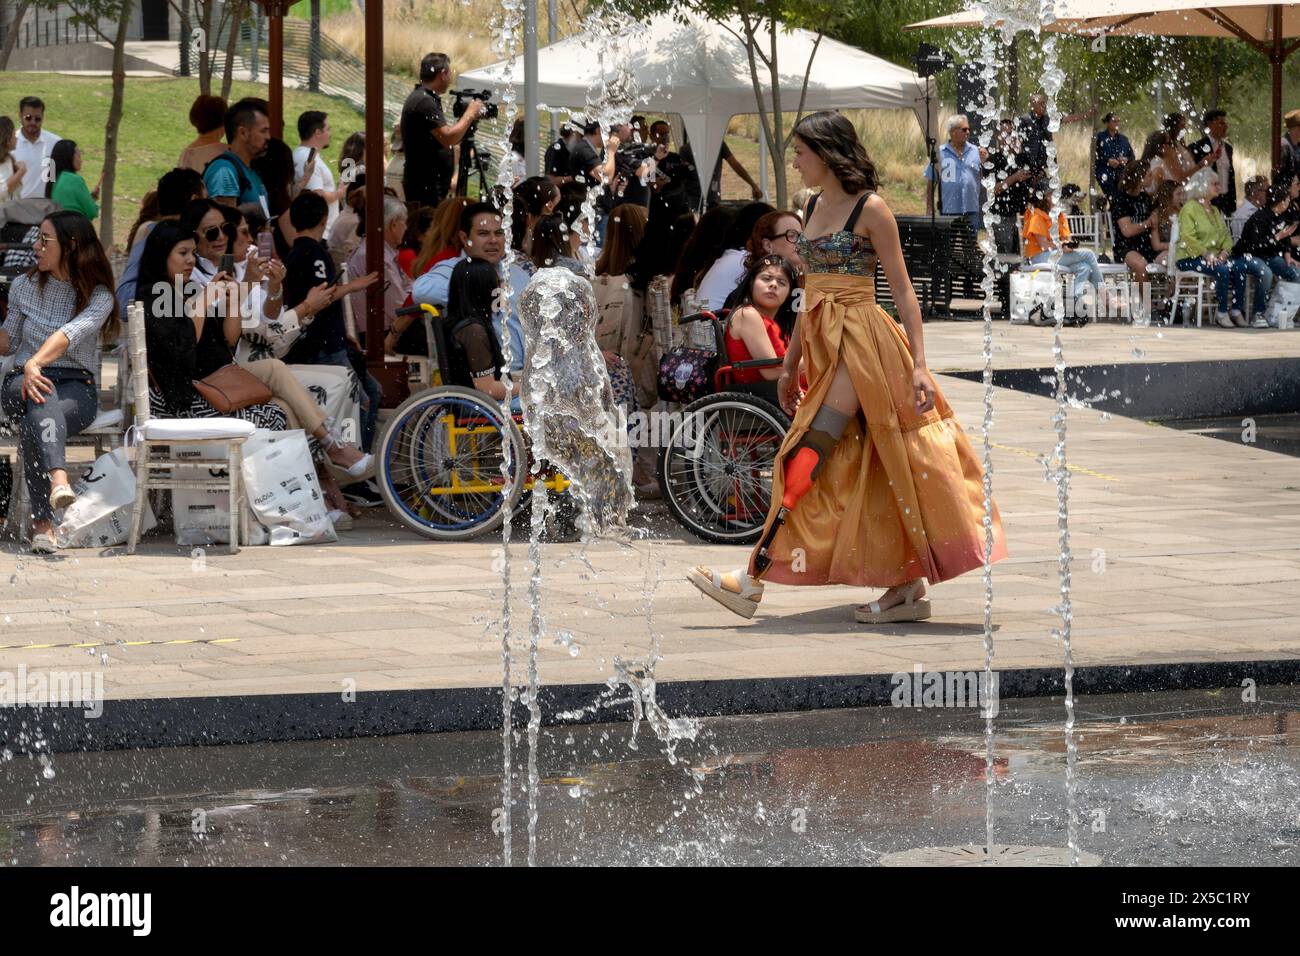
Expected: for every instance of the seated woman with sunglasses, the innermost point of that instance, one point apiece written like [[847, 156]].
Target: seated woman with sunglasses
[[761, 323], [191, 331], [269, 330], [58, 314]]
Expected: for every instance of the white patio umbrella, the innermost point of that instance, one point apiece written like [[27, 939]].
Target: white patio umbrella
[[1267, 27]]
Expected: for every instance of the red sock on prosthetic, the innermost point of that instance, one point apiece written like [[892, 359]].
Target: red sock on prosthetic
[[799, 476]]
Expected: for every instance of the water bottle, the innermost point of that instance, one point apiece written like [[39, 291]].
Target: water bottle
[[265, 243]]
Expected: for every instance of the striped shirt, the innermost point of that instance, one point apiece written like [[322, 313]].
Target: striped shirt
[[35, 315]]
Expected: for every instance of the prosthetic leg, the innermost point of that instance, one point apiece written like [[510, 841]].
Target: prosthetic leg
[[801, 469]]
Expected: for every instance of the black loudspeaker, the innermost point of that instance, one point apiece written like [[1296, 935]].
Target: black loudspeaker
[[972, 98]]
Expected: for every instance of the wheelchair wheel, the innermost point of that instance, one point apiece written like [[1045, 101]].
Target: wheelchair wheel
[[716, 469], [440, 464]]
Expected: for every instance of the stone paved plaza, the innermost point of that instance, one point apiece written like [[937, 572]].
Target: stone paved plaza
[[1185, 549]]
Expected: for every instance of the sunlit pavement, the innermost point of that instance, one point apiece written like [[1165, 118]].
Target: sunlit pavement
[[1185, 549]]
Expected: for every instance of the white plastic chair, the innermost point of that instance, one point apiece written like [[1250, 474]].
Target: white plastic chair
[[155, 437], [1083, 229], [1178, 278]]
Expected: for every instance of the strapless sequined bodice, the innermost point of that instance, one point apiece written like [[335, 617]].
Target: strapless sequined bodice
[[840, 253]]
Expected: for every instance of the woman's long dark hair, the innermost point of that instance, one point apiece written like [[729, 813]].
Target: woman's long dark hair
[[150, 211], [165, 237], [531, 197], [471, 289], [660, 249], [6, 134], [87, 264], [62, 156], [744, 294], [275, 167], [742, 227], [551, 234], [832, 137], [701, 250]]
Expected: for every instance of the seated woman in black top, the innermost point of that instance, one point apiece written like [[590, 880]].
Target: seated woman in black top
[[190, 332], [1134, 219], [474, 358]]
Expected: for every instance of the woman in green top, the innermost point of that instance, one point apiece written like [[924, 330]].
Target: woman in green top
[[1205, 246], [68, 188]]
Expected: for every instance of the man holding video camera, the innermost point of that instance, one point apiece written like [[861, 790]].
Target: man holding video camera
[[427, 137]]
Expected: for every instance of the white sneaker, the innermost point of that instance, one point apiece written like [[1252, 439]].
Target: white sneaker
[[1259, 323]]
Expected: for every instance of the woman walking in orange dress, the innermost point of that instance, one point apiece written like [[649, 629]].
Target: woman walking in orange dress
[[876, 484]]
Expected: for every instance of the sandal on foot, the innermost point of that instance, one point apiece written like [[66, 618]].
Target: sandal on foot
[[43, 543], [61, 496], [910, 610], [710, 582]]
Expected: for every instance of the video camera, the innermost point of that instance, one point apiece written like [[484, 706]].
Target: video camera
[[463, 98], [634, 154]]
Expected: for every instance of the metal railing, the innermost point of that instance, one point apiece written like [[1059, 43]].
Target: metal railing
[[339, 72], [51, 29]]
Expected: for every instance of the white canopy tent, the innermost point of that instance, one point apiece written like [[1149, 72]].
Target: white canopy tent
[[700, 71]]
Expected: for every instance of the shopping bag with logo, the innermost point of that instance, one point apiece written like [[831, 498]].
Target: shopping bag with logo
[[1283, 304], [1034, 295], [101, 515], [283, 493], [200, 516]]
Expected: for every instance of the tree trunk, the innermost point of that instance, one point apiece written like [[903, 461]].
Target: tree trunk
[[110, 133], [205, 55], [238, 9], [777, 139], [313, 49], [185, 38], [11, 35]]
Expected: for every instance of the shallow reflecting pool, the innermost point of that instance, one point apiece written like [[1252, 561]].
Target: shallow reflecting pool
[[1165, 778]]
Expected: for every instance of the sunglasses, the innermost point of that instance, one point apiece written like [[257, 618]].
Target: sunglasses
[[211, 233], [790, 235], [33, 118]]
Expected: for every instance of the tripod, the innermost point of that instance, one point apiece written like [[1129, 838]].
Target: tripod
[[471, 157]]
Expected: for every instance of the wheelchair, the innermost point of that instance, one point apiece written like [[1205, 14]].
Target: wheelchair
[[442, 457], [715, 467]]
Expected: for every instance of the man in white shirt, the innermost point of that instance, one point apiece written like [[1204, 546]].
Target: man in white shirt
[[1256, 193], [34, 145], [314, 132]]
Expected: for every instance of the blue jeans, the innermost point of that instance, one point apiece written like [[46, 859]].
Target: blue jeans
[[1081, 263], [1228, 276], [44, 428], [1274, 268], [370, 407]]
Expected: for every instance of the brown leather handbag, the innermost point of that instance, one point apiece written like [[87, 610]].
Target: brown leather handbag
[[231, 388]]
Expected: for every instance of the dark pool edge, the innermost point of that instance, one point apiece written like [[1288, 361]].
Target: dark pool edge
[[190, 721]]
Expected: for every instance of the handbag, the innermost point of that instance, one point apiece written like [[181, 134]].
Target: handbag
[[686, 374], [231, 388]]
